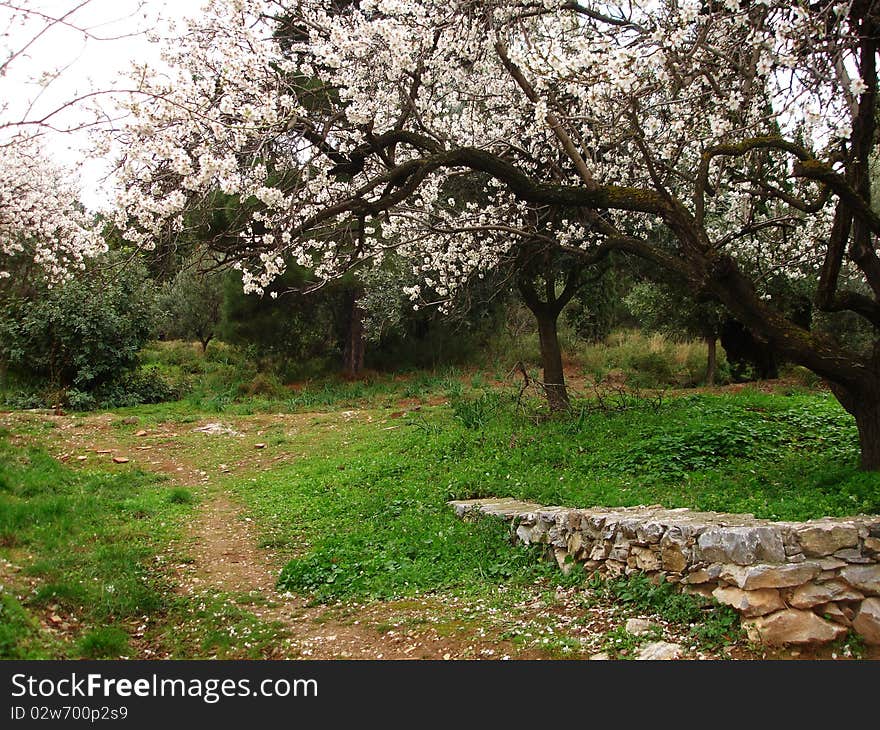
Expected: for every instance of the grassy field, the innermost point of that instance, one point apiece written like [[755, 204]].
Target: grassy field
[[345, 487], [89, 537]]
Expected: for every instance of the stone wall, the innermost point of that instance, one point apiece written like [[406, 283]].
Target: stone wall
[[793, 582]]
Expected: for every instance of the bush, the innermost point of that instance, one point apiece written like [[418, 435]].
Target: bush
[[476, 413], [81, 333], [262, 384], [77, 400], [651, 368], [651, 361], [22, 401], [135, 388], [180, 495]]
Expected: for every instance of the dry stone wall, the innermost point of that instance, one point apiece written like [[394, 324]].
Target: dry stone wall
[[793, 582]]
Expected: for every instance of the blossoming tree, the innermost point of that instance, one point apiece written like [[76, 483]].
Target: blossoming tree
[[743, 128], [41, 224], [43, 227]]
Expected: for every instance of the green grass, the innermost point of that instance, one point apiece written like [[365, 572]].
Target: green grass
[[20, 636], [87, 538], [360, 501], [371, 503], [214, 626], [104, 643]]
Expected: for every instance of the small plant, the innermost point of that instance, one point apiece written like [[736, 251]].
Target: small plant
[[180, 495], [852, 645], [620, 644], [108, 642], [712, 624], [476, 413]]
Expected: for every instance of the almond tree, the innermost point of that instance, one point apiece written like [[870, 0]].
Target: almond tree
[[743, 128], [42, 224]]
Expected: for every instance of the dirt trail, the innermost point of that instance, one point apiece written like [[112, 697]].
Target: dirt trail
[[224, 559], [227, 559], [225, 556]]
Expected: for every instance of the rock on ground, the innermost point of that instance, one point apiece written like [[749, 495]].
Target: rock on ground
[[639, 626], [659, 650]]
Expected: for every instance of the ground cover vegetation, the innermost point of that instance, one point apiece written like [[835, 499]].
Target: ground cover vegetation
[[348, 491]]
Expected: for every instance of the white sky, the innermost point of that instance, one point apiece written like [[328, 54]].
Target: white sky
[[86, 64]]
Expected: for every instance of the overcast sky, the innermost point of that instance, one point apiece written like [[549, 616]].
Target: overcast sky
[[87, 64]]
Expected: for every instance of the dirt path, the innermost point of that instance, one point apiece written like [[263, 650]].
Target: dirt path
[[219, 558], [227, 560]]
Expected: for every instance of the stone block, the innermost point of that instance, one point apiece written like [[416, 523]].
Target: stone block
[[643, 558], [836, 613], [812, 594], [601, 550], [824, 538], [752, 577], [562, 560], [865, 578], [673, 558], [750, 603], [703, 575], [867, 621], [853, 555], [741, 545], [791, 626]]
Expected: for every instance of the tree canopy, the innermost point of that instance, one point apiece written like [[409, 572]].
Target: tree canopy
[[744, 130]]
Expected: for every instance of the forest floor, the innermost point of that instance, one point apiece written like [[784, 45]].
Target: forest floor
[[221, 527]]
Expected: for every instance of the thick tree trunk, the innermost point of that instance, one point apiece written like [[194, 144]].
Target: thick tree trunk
[[711, 360], [865, 408], [866, 411], [868, 422], [551, 360], [355, 342]]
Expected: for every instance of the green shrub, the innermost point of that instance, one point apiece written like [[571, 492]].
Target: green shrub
[[262, 384], [651, 361], [650, 369], [78, 400], [83, 332], [712, 624], [476, 412], [138, 387], [181, 495], [22, 401], [801, 376]]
